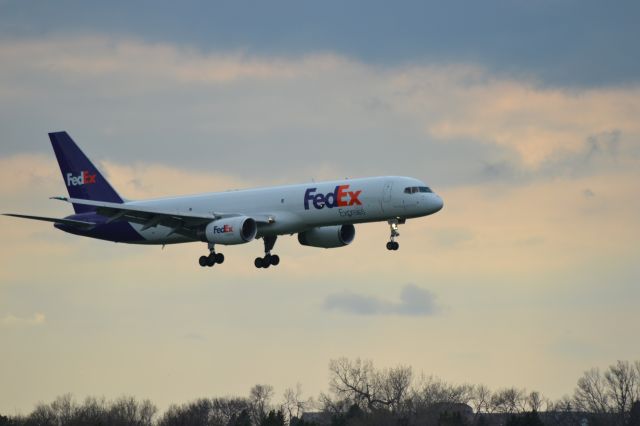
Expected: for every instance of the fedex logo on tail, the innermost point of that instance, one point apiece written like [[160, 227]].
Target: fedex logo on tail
[[84, 178], [340, 197]]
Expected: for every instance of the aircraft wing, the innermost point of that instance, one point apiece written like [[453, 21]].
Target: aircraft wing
[[180, 222], [76, 223]]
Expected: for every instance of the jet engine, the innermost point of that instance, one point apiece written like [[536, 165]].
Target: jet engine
[[328, 236], [231, 230]]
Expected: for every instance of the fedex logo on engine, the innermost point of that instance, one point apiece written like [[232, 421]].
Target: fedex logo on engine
[[340, 197], [84, 178], [222, 229]]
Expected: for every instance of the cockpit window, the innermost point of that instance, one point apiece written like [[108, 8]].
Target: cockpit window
[[416, 189]]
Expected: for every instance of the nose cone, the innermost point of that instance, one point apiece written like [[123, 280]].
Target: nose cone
[[435, 203]]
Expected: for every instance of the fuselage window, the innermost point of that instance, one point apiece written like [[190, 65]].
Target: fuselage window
[[416, 189]]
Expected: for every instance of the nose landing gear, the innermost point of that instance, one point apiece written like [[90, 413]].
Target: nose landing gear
[[393, 244], [268, 259], [212, 259]]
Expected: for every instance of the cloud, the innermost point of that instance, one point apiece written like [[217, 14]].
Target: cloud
[[11, 320], [414, 301], [580, 54], [172, 104], [538, 124]]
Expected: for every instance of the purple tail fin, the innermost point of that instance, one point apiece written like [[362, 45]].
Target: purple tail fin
[[82, 178]]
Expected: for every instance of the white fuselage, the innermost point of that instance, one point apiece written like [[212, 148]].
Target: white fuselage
[[296, 208]]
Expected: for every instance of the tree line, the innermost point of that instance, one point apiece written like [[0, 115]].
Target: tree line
[[360, 394]]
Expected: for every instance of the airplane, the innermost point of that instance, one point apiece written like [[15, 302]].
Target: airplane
[[322, 214]]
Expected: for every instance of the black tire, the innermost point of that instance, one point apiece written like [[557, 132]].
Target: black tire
[[203, 261], [396, 245], [390, 245], [275, 259], [219, 257], [266, 261], [211, 260], [258, 262]]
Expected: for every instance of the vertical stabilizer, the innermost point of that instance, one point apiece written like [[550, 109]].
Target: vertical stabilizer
[[82, 179]]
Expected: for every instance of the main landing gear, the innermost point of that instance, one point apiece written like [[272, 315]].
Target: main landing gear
[[393, 244], [212, 259], [268, 259]]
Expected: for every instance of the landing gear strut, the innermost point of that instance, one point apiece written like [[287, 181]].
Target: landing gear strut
[[393, 244], [213, 257], [268, 259]]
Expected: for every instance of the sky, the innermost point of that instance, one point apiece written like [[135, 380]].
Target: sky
[[523, 116]]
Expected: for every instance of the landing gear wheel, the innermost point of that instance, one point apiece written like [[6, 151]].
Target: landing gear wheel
[[212, 258], [393, 226], [268, 259]]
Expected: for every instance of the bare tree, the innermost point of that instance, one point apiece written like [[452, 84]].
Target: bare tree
[[127, 411], [432, 390], [293, 404], [64, 408], [211, 412], [223, 410], [92, 411], [591, 395], [509, 401], [260, 399], [334, 406], [65, 411], [355, 381], [622, 383], [535, 401], [42, 415], [360, 382], [481, 399], [394, 385], [563, 413]]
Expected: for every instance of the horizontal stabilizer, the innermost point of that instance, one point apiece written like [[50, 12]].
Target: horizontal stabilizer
[[69, 222]]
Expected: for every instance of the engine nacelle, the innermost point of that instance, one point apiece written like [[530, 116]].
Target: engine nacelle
[[328, 236], [232, 230]]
